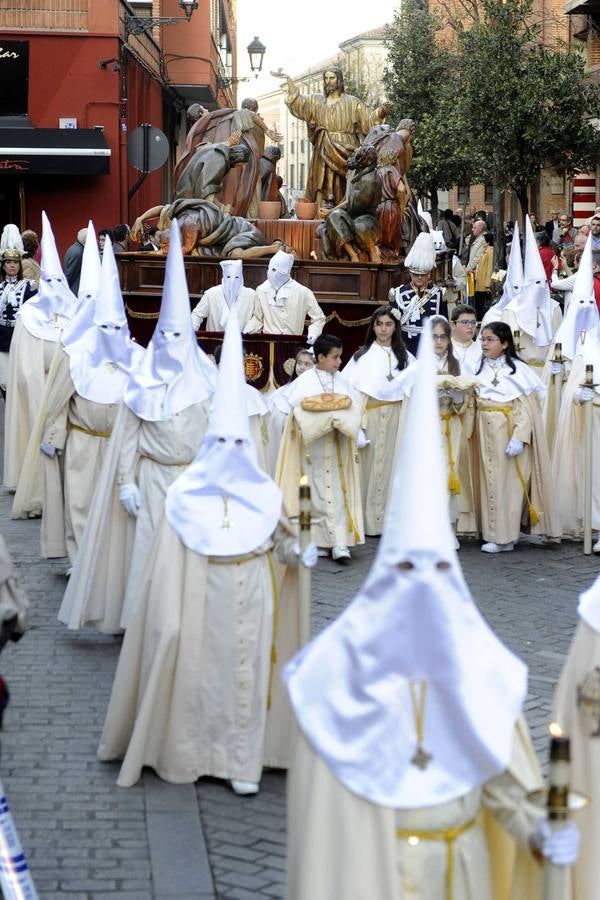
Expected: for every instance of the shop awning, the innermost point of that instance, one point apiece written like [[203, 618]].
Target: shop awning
[[53, 151]]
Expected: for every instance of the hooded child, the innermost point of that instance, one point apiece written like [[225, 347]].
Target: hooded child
[[404, 737], [194, 681]]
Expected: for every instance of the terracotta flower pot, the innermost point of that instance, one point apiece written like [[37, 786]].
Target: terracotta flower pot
[[306, 209], [269, 209]]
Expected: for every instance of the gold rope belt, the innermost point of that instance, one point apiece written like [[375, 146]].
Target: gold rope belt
[[161, 463], [350, 521], [449, 835], [233, 560], [537, 363], [102, 434], [377, 404], [506, 411], [453, 482]]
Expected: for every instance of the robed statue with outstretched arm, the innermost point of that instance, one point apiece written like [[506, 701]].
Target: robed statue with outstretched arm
[[337, 124]]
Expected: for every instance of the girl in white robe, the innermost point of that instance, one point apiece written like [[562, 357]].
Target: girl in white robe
[[194, 685], [379, 371], [514, 464]]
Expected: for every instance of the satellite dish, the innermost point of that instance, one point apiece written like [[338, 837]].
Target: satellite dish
[[147, 148]]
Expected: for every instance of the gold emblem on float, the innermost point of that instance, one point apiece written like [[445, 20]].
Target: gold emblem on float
[[253, 366]]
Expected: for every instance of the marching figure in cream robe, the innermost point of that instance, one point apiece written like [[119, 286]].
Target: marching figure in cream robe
[[321, 441], [379, 371], [217, 301], [577, 712], [404, 736], [194, 682], [282, 304], [457, 415], [161, 426], [36, 336], [532, 311], [82, 406], [279, 406], [513, 282], [514, 463]]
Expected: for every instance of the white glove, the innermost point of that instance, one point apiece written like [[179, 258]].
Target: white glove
[[556, 368], [456, 396], [514, 447], [130, 498], [561, 847], [309, 556], [311, 339], [583, 395], [48, 449], [362, 440]]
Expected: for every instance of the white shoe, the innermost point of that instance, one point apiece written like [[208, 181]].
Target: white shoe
[[596, 547], [339, 553], [456, 544], [243, 788], [497, 548]]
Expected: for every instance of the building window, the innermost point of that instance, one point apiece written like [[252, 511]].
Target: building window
[[488, 193], [142, 7], [292, 177], [463, 193], [292, 148], [302, 176], [302, 145]]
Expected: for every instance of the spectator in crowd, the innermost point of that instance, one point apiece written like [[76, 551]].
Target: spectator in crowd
[[566, 233], [595, 229], [584, 230], [596, 271], [450, 231], [103, 234], [475, 245], [31, 268], [153, 242], [72, 261], [483, 276], [534, 223], [546, 252], [121, 238], [552, 226]]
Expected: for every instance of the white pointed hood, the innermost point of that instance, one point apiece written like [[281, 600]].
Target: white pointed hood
[[355, 687], [233, 279], [224, 504], [102, 360], [174, 373], [513, 283], [89, 281], [589, 606], [280, 269], [581, 317], [533, 308], [49, 311]]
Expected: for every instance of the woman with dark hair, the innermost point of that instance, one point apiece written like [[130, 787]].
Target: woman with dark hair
[[514, 464], [457, 410], [378, 370]]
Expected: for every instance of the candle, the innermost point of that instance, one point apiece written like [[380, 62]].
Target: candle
[[560, 774]]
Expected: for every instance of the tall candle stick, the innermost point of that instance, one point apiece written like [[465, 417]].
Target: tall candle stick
[[304, 576], [557, 878]]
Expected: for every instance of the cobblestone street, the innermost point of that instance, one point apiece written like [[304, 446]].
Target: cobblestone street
[[85, 838]]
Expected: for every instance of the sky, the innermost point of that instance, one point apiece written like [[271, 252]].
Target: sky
[[299, 33]]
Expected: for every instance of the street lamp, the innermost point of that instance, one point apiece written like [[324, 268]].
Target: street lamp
[[142, 24], [256, 52]]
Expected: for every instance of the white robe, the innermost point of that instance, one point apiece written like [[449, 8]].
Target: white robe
[[528, 351], [191, 690], [342, 846], [213, 307], [468, 355], [29, 361], [286, 311]]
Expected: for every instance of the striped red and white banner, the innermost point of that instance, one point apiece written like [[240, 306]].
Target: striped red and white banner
[[584, 197]]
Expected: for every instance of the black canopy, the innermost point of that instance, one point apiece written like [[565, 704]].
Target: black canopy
[[53, 151]]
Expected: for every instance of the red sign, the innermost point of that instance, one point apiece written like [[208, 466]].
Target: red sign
[[14, 165]]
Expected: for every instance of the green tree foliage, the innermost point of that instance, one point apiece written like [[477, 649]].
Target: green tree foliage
[[421, 79], [526, 103]]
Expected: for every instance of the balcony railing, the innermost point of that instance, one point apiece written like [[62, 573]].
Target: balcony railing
[[44, 15]]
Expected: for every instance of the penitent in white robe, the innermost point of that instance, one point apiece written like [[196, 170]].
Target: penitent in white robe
[[583, 660], [342, 846], [285, 311], [29, 362], [191, 690], [213, 307], [533, 355], [322, 446], [81, 429]]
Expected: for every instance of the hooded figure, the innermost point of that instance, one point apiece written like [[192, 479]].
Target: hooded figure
[[532, 311], [193, 683], [89, 282], [217, 301], [36, 336], [513, 282], [580, 332], [577, 712], [403, 735], [83, 400], [419, 298], [282, 304]]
